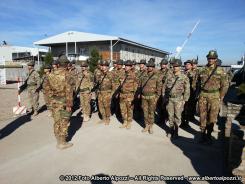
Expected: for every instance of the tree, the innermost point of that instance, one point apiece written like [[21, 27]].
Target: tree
[[48, 59], [94, 58]]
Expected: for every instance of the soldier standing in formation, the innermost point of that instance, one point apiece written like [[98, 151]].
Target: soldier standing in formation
[[73, 72], [45, 87], [60, 84], [105, 90], [214, 85], [55, 65], [151, 91], [178, 91], [33, 83], [187, 112], [129, 86], [85, 85]]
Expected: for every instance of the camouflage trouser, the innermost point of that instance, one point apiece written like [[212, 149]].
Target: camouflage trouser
[[126, 106], [149, 107], [209, 104], [33, 98], [61, 118], [104, 100], [175, 108], [47, 100], [85, 99]]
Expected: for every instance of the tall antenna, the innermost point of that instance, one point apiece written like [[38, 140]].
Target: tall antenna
[[180, 48]]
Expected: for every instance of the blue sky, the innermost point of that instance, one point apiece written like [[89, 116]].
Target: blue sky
[[163, 24]]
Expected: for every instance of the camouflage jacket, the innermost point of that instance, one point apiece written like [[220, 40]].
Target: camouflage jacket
[[46, 89], [218, 82], [195, 73], [117, 75], [60, 84], [105, 82], [151, 84], [87, 82], [34, 80], [180, 89], [73, 72], [97, 74], [130, 85], [163, 74]]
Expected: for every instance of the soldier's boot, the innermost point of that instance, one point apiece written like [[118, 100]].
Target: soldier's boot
[[209, 132], [107, 121], [203, 138], [124, 125], [64, 144], [150, 130], [176, 132], [146, 128], [171, 131], [129, 123], [86, 118]]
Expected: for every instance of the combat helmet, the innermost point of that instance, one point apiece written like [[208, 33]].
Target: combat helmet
[[164, 61], [188, 61], [142, 61], [47, 66], [151, 63], [177, 63], [212, 54], [63, 60], [120, 62], [105, 63], [128, 63], [31, 63]]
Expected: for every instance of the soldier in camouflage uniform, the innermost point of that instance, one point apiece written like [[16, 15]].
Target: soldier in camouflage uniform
[[98, 72], [151, 91], [33, 83], [138, 112], [128, 87], [73, 72], [177, 90], [163, 73], [188, 113], [105, 92], [212, 94], [45, 88], [61, 89], [55, 65], [85, 84]]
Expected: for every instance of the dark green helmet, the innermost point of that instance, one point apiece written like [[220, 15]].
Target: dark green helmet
[[164, 62], [47, 66], [151, 63], [142, 61], [128, 63], [177, 62], [63, 60], [212, 54]]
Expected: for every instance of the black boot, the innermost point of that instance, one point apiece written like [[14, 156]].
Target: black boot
[[171, 131], [203, 138], [176, 131], [209, 132]]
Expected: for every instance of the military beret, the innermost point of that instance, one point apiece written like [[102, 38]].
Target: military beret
[[128, 63], [212, 54], [31, 63], [142, 61], [188, 61], [164, 62], [177, 62], [47, 66], [84, 64]]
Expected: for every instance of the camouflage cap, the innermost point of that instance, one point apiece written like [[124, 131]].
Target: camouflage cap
[[84, 64], [177, 63], [63, 60], [104, 63], [128, 63], [142, 61], [47, 66], [164, 62], [55, 62], [151, 63], [188, 61], [212, 54], [31, 63], [120, 62]]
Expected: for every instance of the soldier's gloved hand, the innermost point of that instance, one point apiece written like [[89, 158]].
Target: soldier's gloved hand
[[68, 109]]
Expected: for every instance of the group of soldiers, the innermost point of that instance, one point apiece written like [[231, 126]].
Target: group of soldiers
[[169, 91]]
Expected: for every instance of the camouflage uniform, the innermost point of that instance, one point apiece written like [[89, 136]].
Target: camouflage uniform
[[33, 83], [151, 90], [46, 91], [73, 72], [105, 93], [129, 87], [179, 93], [211, 95], [85, 91], [60, 83]]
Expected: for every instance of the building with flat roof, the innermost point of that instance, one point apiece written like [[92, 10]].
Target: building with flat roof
[[73, 43]]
